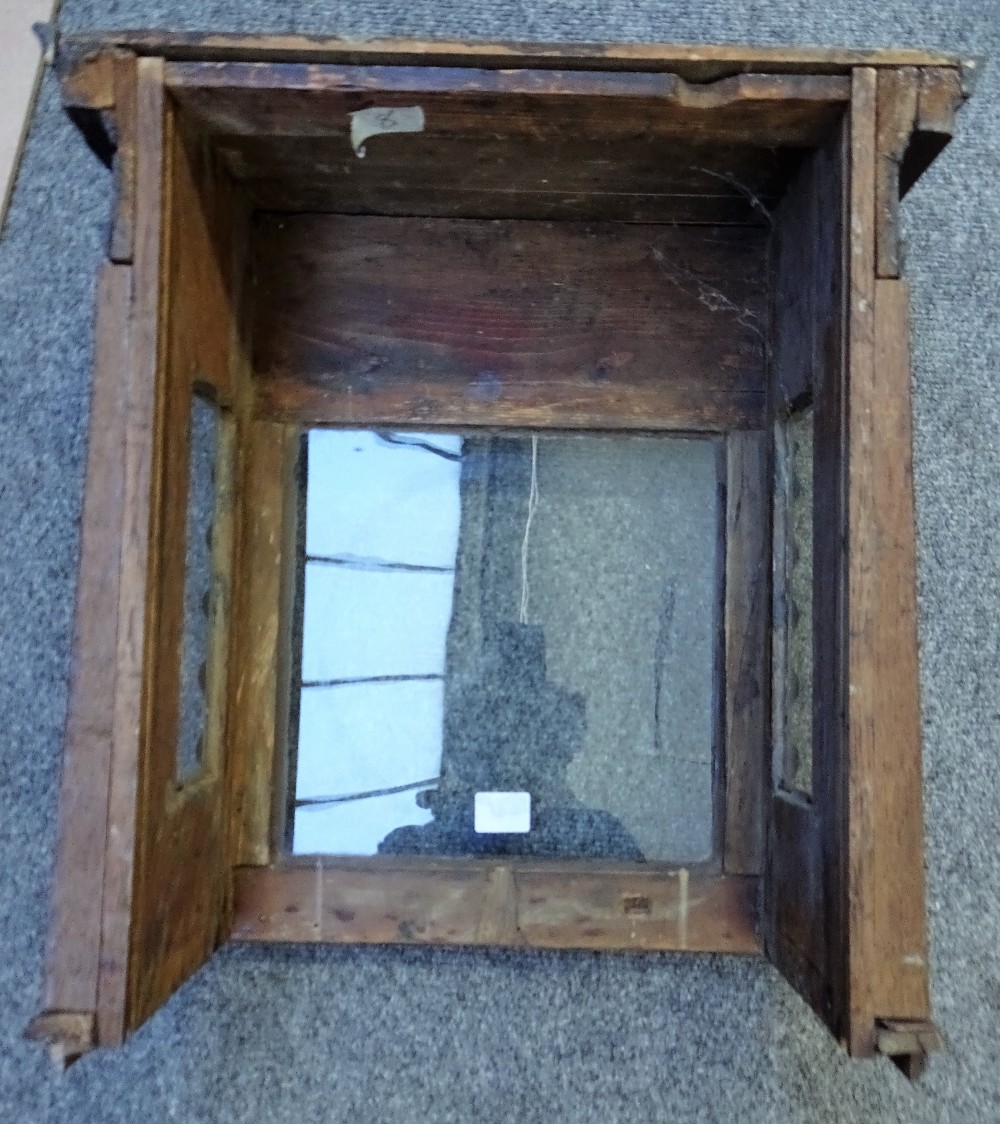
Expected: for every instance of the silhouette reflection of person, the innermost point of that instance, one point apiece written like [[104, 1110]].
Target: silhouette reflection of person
[[507, 728]]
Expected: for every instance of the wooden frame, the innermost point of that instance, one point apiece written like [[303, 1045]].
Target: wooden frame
[[761, 145]]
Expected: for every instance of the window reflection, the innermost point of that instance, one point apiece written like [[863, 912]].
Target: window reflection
[[507, 614]]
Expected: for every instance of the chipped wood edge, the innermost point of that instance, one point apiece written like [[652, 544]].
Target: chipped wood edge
[[68, 1034], [669, 88], [908, 1043]]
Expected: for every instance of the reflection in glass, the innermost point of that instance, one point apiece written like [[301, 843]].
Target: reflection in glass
[[792, 692], [508, 614], [203, 454]]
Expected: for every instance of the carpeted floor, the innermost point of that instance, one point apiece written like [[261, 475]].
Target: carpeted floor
[[410, 1035]]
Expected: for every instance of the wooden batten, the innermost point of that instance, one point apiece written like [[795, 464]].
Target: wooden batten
[[263, 586], [75, 927], [541, 904]]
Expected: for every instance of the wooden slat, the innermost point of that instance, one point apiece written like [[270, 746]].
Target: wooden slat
[[370, 321], [112, 1016], [695, 63], [525, 904], [896, 116], [74, 940], [747, 624], [283, 79], [180, 879], [259, 689], [861, 766], [889, 946]]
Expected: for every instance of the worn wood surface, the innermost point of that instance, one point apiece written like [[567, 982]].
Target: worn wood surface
[[633, 179], [511, 144], [74, 938], [262, 99], [887, 913], [897, 852], [180, 879], [529, 904], [693, 62], [206, 239], [804, 883], [369, 321], [113, 1019], [747, 644], [259, 690], [860, 765], [896, 116]]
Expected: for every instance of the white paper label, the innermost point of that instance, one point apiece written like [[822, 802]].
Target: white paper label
[[505, 813], [372, 122]]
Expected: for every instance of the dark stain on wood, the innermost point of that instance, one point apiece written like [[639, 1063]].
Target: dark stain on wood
[[367, 321]]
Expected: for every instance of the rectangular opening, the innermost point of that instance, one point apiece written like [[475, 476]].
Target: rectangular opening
[[204, 446], [792, 646], [519, 613]]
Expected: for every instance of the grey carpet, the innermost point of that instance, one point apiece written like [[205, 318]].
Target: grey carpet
[[411, 1035]]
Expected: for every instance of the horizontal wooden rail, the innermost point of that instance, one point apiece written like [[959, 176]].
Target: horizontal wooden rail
[[512, 903]]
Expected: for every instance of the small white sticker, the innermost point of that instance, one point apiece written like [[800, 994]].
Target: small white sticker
[[505, 813], [367, 123]]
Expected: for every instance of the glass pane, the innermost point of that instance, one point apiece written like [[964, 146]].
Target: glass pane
[[508, 614], [793, 560], [198, 575]]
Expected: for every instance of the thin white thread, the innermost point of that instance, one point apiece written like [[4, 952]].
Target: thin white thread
[[532, 505]]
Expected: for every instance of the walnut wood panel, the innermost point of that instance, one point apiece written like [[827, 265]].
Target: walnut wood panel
[[641, 179], [521, 143], [294, 99], [370, 321], [205, 245], [889, 672], [263, 584], [747, 646], [520, 904], [74, 940], [804, 882], [180, 870]]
